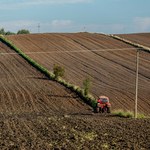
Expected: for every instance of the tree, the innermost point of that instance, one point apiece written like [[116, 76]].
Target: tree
[[9, 33], [23, 31], [2, 31], [58, 71], [86, 86]]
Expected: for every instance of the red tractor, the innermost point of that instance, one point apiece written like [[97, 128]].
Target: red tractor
[[103, 105]]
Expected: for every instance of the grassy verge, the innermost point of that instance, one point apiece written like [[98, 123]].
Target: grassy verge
[[89, 99], [127, 114]]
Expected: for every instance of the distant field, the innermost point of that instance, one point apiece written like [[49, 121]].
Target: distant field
[[112, 72], [141, 38]]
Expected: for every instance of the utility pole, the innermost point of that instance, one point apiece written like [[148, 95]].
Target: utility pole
[[84, 29], [39, 28], [136, 86]]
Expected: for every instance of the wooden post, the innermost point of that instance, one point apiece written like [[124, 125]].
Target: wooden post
[[136, 87]]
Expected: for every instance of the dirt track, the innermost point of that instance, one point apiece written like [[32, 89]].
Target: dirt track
[[112, 72]]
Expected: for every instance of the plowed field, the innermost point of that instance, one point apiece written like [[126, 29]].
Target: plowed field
[[39, 114], [24, 90], [72, 132], [140, 38], [112, 72]]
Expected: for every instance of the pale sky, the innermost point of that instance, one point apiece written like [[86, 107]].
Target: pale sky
[[107, 16]]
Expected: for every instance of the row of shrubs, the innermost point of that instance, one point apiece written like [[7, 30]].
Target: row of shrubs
[[22, 31], [86, 97], [139, 46]]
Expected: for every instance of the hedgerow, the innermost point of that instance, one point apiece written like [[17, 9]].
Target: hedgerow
[[139, 46], [89, 99]]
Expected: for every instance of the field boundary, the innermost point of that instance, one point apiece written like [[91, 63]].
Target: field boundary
[[139, 46], [88, 99]]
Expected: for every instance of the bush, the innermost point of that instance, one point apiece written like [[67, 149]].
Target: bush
[[122, 113], [86, 86], [127, 114], [139, 115], [9, 33], [2, 31], [58, 71], [23, 31]]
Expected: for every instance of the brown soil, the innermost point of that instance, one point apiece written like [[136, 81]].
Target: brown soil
[[39, 114], [72, 132], [112, 72], [24, 90], [140, 38]]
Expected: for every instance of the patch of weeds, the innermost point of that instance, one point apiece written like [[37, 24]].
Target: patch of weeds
[[90, 136], [127, 114], [122, 113], [84, 136], [105, 146], [140, 115]]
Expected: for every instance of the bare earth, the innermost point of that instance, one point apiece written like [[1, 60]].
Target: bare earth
[[36, 113], [25, 90], [140, 38], [112, 73]]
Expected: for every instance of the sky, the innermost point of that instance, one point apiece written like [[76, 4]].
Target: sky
[[96, 16]]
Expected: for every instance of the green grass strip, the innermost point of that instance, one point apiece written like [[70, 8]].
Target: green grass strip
[[27, 58], [88, 99], [127, 114]]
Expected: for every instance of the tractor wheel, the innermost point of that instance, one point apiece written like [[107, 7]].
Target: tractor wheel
[[108, 110], [97, 110], [100, 110], [104, 110]]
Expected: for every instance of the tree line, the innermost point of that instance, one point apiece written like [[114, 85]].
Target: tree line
[[22, 31]]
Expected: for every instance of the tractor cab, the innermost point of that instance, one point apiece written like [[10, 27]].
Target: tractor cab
[[103, 99], [103, 104]]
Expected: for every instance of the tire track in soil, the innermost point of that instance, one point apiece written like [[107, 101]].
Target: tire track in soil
[[11, 76], [34, 130], [104, 73], [6, 90], [3, 104], [22, 89], [16, 73], [8, 104], [25, 91]]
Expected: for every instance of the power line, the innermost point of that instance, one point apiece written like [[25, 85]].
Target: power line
[[79, 51], [74, 51], [39, 28]]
